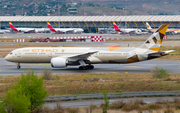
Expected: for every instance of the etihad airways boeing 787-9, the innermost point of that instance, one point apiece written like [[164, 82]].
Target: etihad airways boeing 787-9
[[61, 57]]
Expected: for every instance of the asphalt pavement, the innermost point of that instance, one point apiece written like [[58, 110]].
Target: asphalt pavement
[[171, 66], [44, 35], [87, 103]]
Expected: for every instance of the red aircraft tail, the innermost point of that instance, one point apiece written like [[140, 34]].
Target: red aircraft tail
[[116, 27], [12, 27]]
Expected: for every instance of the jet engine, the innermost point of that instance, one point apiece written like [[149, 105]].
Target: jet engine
[[59, 62]]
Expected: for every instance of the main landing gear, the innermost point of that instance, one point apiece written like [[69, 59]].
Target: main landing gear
[[86, 67], [18, 66]]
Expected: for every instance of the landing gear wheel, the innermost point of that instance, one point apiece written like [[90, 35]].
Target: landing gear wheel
[[18, 66], [86, 67], [91, 67], [81, 67]]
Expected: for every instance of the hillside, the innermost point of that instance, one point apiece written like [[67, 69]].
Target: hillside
[[89, 7]]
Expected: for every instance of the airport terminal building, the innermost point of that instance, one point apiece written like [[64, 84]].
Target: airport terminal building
[[90, 23]]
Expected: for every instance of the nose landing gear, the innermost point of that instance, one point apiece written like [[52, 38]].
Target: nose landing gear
[[18, 66]]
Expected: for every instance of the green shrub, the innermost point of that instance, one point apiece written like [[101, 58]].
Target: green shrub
[[159, 72], [153, 107], [47, 74], [118, 91], [105, 106]]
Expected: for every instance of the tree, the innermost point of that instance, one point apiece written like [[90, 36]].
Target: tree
[[26, 95], [106, 100], [15, 102], [33, 88]]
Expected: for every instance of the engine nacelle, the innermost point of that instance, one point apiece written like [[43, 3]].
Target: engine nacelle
[[59, 62]]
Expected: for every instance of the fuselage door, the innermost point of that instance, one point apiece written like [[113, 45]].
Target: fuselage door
[[19, 53], [50, 54]]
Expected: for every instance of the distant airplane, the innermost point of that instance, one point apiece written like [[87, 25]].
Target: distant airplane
[[85, 57], [27, 30], [64, 30], [2, 31], [128, 31], [169, 31]]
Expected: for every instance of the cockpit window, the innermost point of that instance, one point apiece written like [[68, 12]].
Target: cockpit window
[[10, 53]]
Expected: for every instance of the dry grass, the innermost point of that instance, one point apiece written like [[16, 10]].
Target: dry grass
[[133, 106], [68, 84]]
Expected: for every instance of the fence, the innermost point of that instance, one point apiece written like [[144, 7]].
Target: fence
[[112, 95]]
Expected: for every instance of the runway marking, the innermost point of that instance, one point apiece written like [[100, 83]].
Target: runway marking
[[135, 66]]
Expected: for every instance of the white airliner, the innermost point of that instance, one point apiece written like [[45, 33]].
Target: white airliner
[[170, 31], [4, 31], [128, 31], [28, 30], [64, 30], [61, 57]]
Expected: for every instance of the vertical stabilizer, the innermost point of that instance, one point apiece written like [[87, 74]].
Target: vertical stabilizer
[[153, 43], [50, 27], [116, 27], [12, 27], [148, 26]]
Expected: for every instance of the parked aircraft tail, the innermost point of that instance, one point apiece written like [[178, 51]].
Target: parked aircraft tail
[[12, 27], [116, 27], [50, 27], [153, 43], [148, 26]]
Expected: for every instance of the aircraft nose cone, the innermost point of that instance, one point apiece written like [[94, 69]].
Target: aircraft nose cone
[[7, 58]]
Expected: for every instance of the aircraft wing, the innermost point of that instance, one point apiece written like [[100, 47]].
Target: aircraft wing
[[82, 56]]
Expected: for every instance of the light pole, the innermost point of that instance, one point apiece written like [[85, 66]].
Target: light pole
[[59, 15], [152, 10], [125, 15], [22, 11]]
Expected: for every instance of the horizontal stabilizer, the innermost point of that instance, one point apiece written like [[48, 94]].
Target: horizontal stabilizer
[[169, 51]]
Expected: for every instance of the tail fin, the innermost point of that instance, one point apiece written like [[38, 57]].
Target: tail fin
[[116, 27], [11, 25], [153, 43], [148, 26], [49, 25]]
